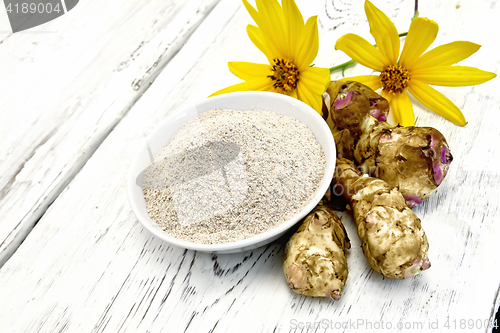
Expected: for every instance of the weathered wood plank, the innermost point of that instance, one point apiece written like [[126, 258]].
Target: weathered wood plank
[[65, 90], [89, 266]]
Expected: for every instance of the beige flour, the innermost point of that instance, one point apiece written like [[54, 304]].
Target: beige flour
[[230, 175]]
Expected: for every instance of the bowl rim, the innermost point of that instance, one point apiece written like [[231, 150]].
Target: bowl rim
[[271, 234]]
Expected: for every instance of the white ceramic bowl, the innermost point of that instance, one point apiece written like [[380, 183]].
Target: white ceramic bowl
[[239, 101]]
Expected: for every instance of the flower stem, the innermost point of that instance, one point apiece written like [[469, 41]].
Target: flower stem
[[351, 62], [343, 66], [415, 14]]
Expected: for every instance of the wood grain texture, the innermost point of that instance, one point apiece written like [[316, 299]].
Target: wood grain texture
[[65, 90], [89, 266]]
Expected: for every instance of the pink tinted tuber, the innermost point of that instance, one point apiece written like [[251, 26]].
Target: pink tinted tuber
[[391, 235], [414, 159]]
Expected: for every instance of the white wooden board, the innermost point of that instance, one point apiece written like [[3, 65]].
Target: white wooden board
[[66, 84], [89, 266]]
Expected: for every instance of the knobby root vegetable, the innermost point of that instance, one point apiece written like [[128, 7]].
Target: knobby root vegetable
[[392, 237], [315, 262], [414, 159]]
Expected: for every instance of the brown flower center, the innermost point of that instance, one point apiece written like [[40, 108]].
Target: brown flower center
[[285, 75], [394, 79]]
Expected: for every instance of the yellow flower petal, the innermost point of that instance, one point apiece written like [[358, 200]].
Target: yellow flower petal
[[437, 102], [308, 97], [316, 79], [421, 35], [258, 40], [452, 76], [401, 108], [261, 84], [372, 81], [293, 93], [267, 30], [361, 51], [294, 25], [309, 45], [272, 13], [446, 55], [249, 70], [384, 32], [252, 11]]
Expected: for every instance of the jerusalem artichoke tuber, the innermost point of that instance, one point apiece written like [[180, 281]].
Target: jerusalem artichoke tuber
[[415, 159], [392, 238], [315, 263]]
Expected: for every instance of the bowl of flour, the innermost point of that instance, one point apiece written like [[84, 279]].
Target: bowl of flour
[[233, 172]]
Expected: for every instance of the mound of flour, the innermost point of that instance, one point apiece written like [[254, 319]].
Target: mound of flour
[[230, 175]]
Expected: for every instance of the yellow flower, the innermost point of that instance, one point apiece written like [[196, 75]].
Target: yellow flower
[[290, 47], [415, 70]]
